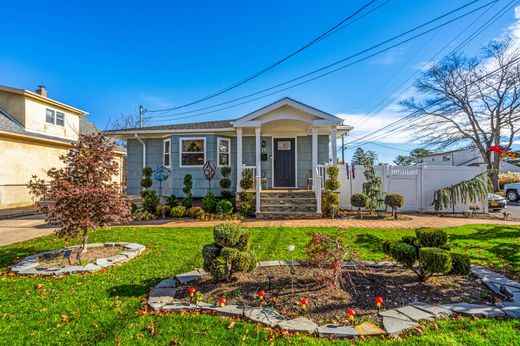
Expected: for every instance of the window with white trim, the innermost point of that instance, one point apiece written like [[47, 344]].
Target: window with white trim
[[167, 153], [192, 152], [223, 152], [60, 119], [49, 116]]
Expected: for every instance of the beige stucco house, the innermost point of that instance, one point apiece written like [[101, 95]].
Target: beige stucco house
[[34, 131]]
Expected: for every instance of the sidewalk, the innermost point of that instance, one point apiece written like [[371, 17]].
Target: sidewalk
[[23, 228]]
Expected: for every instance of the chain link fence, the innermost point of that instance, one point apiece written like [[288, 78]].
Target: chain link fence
[[15, 195]]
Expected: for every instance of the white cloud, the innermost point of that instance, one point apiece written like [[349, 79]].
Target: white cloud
[[390, 57]]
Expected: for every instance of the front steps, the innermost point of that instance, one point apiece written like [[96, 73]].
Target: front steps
[[288, 204]]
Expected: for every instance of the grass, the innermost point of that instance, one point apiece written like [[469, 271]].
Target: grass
[[105, 308]]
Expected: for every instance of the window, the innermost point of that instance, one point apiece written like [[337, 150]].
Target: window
[[166, 153], [192, 152], [224, 152], [60, 119], [49, 116]]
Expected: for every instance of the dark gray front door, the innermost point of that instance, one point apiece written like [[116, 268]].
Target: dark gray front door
[[284, 170]]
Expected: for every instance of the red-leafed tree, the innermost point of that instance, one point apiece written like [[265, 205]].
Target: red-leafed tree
[[82, 195]]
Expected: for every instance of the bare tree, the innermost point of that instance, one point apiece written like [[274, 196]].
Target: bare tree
[[128, 121], [470, 102]]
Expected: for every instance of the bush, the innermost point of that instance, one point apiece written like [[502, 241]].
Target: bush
[[332, 183], [403, 253], [247, 181], [209, 202], [394, 201], [147, 171], [178, 211], [434, 260], [431, 237], [195, 213], [150, 201], [172, 201], [330, 204], [133, 208], [409, 239], [224, 207], [187, 201], [460, 264], [386, 246], [225, 182], [246, 196], [146, 182], [143, 215], [245, 208], [163, 210], [359, 200], [508, 178], [229, 253]]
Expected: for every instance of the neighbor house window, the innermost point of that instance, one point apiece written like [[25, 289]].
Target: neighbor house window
[[166, 153], [49, 116], [224, 152], [60, 119], [192, 152]]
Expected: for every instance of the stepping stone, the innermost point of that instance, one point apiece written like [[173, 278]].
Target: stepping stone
[[299, 324], [337, 330], [268, 316], [167, 283], [415, 314], [35, 271], [103, 262], [231, 310], [369, 329], [386, 264], [95, 245], [475, 310], [437, 311], [163, 292], [185, 278], [179, 306], [134, 246], [129, 254], [268, 264], [511, 309], [90, 267], [71, 269], [290, 263], [24, 265], [394, 314], [394, 326], [117, 259], [490, 276]]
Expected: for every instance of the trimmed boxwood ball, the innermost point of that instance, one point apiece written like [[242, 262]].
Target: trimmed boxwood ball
[[434, 260], [394, 200], [359, 200], [224, 206], [431, 237], [146, 182], [409, 239], [403, 253], [227, 234], [163, 210], [195, 212], [147, 171], [247, 181], [460, 264], [178, 211]]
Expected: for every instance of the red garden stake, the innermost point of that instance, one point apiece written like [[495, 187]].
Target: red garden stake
[[261, 295], [192, 291], [379, 302], [351, 314], [222, 302], [303, 303]]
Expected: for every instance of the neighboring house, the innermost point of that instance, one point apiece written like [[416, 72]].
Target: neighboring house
[[463, 157], [284, 142], [35, 131]]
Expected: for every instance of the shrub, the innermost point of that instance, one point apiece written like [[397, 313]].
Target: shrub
[[172, 201], [460, 264], [143, 215], [330, 203], [178, 211], [508, 178], [209, 202], [150, 201], [247, 181], [187, 201], [224, 207], [394, 201], [246, 196], [225, 182], [229, 253], [195, 213], [359, 200], [147, 171], [245, 208], [431, 237], [163, 210], [403, 253], [386, 246], [409, 239], [146, 182], [434, 260], [133, 208], [332, 183]]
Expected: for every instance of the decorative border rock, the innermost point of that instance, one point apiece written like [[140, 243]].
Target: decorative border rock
[[29, 265]]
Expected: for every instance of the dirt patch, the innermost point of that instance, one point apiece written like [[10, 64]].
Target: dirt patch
[[366, 215], [326, 303], [94, 253]]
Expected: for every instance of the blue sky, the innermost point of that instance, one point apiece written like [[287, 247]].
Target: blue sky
[[108, 57]]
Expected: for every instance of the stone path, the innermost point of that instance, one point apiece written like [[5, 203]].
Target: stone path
[[394, 321]]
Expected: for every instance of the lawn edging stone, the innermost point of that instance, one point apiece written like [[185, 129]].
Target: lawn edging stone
[[29, 265]]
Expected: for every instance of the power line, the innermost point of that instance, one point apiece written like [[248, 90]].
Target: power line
[[327, 33]]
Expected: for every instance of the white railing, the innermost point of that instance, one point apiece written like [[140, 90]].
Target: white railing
[[253, 172], [258, 189], [317, 186], [322, 173], [403, 171]]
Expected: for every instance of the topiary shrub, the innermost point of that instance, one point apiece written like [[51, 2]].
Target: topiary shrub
[[224, 207], [150, 201], [330, 204], [172, 201], [460, 264], [225, 182], [187, 201], [359, 200], [209, 202], [178, 211], [146, 182], [247, 182], [433, 260], [403, 253], [245, 208], [195, 213], [133, 208], [229, 253], [142, 215], [431, 237], [386, 246], [409, 239], [394, 201], [163, 211], [332, 183]]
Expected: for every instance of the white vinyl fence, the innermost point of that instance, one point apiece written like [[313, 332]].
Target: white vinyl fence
[[416, 183]]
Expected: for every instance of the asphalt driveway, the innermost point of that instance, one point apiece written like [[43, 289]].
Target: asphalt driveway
[[23, 228], [514, 209]]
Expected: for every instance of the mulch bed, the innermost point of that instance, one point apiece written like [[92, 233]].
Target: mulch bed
[[90, 256], [365, 215], [327, 303]]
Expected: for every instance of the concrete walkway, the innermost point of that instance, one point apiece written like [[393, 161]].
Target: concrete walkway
[[23, 228]]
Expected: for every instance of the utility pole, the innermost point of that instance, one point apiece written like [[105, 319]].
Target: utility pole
[[140, 116], [343, 148]]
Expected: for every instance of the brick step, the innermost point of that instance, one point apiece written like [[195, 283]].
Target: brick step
[[284, 201], [274, 208], [292, 215]]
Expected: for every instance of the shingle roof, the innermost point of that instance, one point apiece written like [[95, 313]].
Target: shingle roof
[[86, 127], [204, 125]]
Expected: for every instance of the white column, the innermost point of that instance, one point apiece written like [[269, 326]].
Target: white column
[[258, 148], [334, 146], [314, 156], [239, 158]]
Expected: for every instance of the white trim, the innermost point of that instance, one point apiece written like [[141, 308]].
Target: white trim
[[169, 153], [180, 151], [144, 131], [239, 158], [218, 151], [144, 149], [295, 162]]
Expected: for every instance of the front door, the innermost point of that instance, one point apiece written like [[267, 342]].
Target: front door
[[284, 163]]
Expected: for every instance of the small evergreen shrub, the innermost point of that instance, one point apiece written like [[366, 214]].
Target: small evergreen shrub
[[246, 196], [245, 208], [332, 183], [150, 200], [359, 200], [247, 181], [187, 201], [209, 202], [434, 260], [163, 211], [133, 208], [409, 239], [146, 182], [394, 201], [431, 237], [460, 264], [143, 215], [224, 207], [403, 253], [225, 182], [172, 201], [386, 246], [195, 213], [178, 211]]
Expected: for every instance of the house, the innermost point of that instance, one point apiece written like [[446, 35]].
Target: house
[[283, 144], [35, 131], [463, 157]]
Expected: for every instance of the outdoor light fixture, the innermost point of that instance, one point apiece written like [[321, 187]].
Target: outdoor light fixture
[[263, 146]]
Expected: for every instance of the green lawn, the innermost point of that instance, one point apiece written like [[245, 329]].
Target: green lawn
[[104, 308]]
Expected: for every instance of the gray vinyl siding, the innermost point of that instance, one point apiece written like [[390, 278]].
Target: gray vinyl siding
[[249, 155], [134, 152], [304, 156]]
